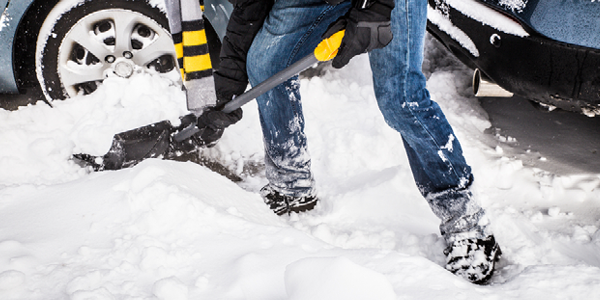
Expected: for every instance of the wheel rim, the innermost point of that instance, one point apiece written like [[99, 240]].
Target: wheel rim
[[113, 42]]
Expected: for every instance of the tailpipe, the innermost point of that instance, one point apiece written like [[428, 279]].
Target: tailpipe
[[485, 88]]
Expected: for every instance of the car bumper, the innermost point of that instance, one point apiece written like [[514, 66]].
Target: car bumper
[[534, 67]]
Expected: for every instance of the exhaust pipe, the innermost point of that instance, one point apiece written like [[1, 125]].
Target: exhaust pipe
[[485, 88]]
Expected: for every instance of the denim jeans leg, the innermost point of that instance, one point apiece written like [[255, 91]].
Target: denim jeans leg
[[436, 159], [291, 31]]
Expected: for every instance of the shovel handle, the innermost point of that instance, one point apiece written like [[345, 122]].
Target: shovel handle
[[254, 92], [186, 133], [270, 83], [326, 50]]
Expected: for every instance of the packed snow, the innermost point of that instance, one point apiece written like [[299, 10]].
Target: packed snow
[[176, 230]]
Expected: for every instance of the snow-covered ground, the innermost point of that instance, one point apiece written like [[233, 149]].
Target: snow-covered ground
[[176, 230]]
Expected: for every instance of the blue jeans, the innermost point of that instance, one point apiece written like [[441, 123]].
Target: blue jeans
[[292, 30]]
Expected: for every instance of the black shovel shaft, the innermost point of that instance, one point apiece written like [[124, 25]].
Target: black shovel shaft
[[254, 92], [270, 83]]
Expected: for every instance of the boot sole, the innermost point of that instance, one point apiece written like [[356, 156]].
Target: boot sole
[[303, 208]]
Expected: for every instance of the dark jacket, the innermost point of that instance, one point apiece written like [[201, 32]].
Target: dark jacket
[[246, 20]]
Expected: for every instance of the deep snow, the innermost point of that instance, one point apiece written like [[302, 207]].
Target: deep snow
[[176, 230]]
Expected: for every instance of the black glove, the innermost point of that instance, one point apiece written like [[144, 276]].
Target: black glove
[[367, 26], [212, 124]]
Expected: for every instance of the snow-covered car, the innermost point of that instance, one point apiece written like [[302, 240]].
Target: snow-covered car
[[545, 51], [67, 47]]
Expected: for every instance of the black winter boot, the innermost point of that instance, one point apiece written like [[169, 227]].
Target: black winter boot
[[282, 204], [473, 259]]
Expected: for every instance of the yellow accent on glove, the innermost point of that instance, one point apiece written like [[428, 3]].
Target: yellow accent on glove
[[328, 48]]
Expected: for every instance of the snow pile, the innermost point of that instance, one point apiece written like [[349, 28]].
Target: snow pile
[[175, 230], [335, 278], [38, 141]]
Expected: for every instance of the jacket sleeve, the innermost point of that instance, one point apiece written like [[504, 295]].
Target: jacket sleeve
[[246, 20]]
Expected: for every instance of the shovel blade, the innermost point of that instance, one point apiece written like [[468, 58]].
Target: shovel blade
[[131, 147], [154, 141]]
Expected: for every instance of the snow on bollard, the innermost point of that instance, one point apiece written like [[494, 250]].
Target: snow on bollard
[[335, 278]]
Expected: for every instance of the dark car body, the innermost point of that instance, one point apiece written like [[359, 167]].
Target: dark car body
[[545, 51]]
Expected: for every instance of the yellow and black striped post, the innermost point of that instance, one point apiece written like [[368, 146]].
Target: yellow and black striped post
[[192, 50], [191, 46]]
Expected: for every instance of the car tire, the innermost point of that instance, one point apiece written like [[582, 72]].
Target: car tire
[[88, 41]]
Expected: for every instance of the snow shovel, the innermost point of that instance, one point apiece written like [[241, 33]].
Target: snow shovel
[[164, 140]]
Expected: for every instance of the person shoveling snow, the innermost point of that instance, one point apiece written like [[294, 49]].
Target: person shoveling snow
[[393, 32], [297, 27]]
